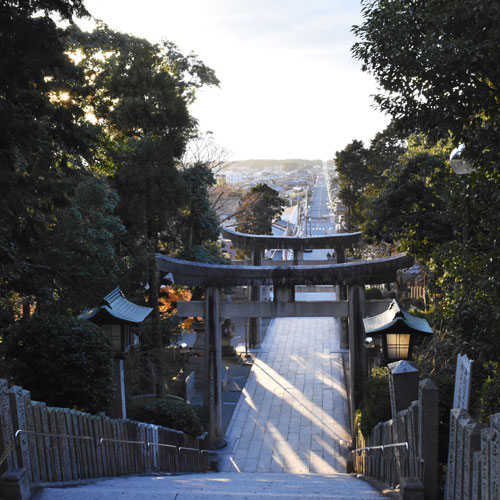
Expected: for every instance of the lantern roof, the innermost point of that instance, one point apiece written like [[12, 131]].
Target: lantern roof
[[115, 308], [394, 319]]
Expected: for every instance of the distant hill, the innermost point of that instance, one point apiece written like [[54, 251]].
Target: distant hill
[[286, 165]]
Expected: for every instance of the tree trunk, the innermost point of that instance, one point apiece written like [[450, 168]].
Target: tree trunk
[[156, 328]]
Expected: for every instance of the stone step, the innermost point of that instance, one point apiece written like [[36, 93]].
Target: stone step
[[218, 486]]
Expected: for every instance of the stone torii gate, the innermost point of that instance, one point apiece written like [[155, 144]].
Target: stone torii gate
[[214, 277], [257, 243]]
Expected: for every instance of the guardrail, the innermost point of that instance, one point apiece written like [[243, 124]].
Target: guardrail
[[182, 462], [381, 447], [389, 462], [59, 444]]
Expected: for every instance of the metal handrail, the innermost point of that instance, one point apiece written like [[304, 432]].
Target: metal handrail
[[48, 434], [148, 444], [119, 441], [103, 439], [382, 447], [182, 448]]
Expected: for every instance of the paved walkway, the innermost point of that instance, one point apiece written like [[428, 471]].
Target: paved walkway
[[293, 414], [219, 486]]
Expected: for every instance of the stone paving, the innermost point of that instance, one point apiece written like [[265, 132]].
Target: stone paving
[[220, 486], [292, 415]]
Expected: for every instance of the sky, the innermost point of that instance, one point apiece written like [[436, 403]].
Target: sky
[[289, 86]]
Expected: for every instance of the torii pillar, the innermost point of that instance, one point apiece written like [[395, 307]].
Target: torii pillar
[[213, 368], [341, 292], [254, 338], [358, 357]]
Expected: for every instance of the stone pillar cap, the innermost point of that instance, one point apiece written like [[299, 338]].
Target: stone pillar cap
[[402, 366]]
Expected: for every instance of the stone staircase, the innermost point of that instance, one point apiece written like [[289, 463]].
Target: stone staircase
[[219, 486]]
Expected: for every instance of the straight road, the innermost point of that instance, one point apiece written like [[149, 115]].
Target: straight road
[[319, 222]]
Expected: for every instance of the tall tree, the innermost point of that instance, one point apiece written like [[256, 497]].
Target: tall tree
[[353, 176], [412, 207], [257, 210], [437, 65], [139, 94], [44, 139], [197, 222]]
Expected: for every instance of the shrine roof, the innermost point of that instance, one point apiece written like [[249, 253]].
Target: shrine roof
[[115, 308], [394, 319]]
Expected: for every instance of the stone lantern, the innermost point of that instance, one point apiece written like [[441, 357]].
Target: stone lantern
[[117, 317], [395, 331]]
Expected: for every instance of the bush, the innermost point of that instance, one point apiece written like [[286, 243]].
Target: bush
[[63, 361], [170, 412], [373, 294], [376, 405]]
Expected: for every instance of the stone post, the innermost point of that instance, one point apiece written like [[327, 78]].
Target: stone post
[[6, 428], [472, 445], [254, 338], [357, 353], [495, 456], [403, 385], [298, 255], [428, 422], [213, 368], [411, 488], [15, 485], [341, 294], [450, 487], [17, 396], [403, 388]]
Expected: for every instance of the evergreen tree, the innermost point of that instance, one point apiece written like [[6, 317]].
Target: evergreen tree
[[257, 210]]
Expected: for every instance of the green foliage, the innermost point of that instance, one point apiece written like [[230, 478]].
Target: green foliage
[[196, 224], [43, 137], [140, 94], [360, 171], [139, 104], [435, 62], [436, 359], [376, 405], [82, 245], [411, 205], [435, 65], [63, 361], [490, 392], [171, 413], [353, 177], [93, 128], [258, 208], [373, 294]]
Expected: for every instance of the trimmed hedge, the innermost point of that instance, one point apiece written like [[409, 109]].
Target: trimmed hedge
[[170, 412]]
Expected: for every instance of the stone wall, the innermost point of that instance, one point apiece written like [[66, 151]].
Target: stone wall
[[70, 445], [473, 470], [417, 426]]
